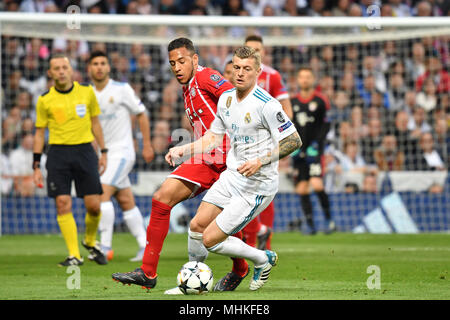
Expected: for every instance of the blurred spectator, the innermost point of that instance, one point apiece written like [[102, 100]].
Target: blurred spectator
[[387, 57], [370, 67], [341, 8], [405, 142], [351, 160], [368, 93], [143, 7], [435, 71], [428, 157], [168, 7], [11, 130], [24, 103], [256, 7], [415, 65], [294, 8], [340, 110], [347, 84], [148, 76], [356, 121], [418, 124], [427, 98], [372, 141], [442, 139], [369, 184], [232, 8], [12, 88], [34, 79], [436, 188], [316, 8], [21, 160], [410, 102], [396, 92], [423, 9], [6, 180], [160, 143], [387, 156], [400, 9], [37, 48], [35, 6]]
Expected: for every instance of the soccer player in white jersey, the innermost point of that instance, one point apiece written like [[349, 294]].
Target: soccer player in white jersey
[[260, 134], [118, 103]]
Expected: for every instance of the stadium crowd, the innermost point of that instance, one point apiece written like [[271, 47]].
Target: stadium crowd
[[389, 100]]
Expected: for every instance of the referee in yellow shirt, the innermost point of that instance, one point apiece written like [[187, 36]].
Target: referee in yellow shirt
[[70, 112]]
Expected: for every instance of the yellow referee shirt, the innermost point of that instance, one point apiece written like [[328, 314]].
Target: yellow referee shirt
[[68, 114]]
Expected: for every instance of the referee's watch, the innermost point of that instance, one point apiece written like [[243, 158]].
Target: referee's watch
[[104, 150]]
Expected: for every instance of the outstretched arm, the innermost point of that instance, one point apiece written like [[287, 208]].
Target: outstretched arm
[[205, 144], [285, 147]]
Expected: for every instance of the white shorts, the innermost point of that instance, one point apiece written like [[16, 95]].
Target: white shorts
[[116, 173], [239, 206]]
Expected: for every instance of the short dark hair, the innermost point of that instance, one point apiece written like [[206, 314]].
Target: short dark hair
[[181, 43], [305, 68], [253, 37], [57, 56], [96, 54]]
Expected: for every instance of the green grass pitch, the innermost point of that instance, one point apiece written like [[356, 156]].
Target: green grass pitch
[[309, 268]]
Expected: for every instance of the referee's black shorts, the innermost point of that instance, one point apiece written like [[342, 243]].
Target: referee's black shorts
[[67, 163]]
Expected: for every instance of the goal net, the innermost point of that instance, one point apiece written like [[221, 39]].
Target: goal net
[[386, 159]]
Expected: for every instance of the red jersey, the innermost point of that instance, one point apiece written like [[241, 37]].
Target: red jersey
[[271, 81], [201, 95]]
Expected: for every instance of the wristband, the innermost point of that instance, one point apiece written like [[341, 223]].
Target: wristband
[[36, 160], [104, 150]]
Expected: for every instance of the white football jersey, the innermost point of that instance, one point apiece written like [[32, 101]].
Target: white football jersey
[[118, 101], [255, 126]]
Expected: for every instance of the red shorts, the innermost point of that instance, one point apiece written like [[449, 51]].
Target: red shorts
[[200, 173]]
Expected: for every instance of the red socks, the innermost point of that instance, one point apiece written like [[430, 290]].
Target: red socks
[[156, 234], [250, 232]]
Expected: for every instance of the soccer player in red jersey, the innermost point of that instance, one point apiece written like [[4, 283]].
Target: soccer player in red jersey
[[202, 88], [271, 81]]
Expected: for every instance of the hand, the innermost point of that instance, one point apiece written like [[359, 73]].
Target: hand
[[250, 167], [147, 153], [37, 178], [174, 155], [102, 163]]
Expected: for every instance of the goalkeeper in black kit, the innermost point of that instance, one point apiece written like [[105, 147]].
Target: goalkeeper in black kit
[[310, 119]]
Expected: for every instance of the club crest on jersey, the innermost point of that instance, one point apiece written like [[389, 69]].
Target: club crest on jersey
[[214, 77], [193, 93], [247, 118], [80, 110], [228, 104], [262, 83], [312, 106]]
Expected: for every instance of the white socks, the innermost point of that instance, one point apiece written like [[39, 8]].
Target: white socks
[[106, 225], [135, 223], [196, 249], [236, 248], [133, 219]]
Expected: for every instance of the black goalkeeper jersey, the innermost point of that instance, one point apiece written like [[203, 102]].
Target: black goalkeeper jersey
[[310, 119]]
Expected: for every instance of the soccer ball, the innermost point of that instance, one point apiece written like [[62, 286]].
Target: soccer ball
[[195, 278]]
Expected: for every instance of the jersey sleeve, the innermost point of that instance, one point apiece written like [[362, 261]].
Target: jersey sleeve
[[131, 100], [94, 107], [277, 121], [277, 88], [214, 83], [41, 114], [217, 125]]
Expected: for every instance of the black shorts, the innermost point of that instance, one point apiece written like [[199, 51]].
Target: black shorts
[[67, 163], [307, 167]]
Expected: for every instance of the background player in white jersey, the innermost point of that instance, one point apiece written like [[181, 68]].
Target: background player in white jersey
[[257, 126], [118, 102]]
